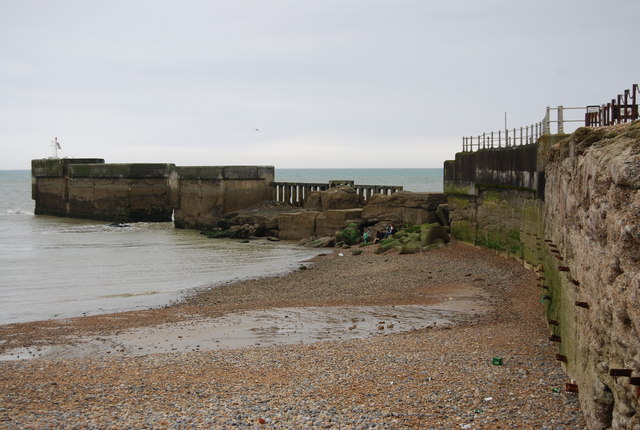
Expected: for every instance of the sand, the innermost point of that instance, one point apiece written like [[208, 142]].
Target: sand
[[170, 367]]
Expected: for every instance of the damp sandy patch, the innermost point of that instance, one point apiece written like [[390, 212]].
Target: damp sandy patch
[[278, 326]]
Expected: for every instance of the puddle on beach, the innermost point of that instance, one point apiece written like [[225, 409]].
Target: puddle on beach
[[263, 328]]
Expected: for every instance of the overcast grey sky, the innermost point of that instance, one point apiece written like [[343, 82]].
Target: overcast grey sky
[[327, 83]]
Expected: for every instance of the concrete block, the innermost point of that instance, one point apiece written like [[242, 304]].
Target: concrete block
[[297, 226], [328, 222]]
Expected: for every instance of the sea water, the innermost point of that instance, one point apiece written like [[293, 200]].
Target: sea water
[[52, 267]]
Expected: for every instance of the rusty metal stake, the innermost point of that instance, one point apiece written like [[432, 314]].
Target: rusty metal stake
[[553, 322], [555, 338], [571, 388], [562, 358], [621, 372], [583, 305]]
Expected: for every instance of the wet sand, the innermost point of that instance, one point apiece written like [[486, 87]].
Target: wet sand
[[178, 367]]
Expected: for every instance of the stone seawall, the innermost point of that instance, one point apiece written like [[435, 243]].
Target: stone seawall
[[592, 218], [582, 236], [191, 196]]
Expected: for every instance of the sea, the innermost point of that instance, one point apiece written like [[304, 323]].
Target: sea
[[54, 267]]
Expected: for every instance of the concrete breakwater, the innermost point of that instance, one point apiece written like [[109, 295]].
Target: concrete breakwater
[[191, 196], [569, 207]]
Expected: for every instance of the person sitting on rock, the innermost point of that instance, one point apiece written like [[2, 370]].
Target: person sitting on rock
[[379, 236], [365, 236]]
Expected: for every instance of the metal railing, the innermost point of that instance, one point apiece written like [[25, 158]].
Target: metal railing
[[523, 135], [623, 108]]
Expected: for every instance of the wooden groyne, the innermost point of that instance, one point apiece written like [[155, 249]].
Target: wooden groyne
[[296, 193]]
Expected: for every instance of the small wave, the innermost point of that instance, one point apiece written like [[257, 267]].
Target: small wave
[[19, 212]]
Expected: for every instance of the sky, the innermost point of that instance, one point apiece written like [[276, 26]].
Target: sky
[[298, 83]]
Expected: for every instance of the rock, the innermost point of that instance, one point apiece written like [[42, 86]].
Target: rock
[[403, 207], [388, 244], [442, 212], [430, 232], [343, 197], [331, 221], [244, 231], [323, 242], [297, 225], [410, 247], [350, 235]]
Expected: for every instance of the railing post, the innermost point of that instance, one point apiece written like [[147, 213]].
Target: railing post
[[634, 108], [520, 135], [546, 125], [560, 120], [626, 105]]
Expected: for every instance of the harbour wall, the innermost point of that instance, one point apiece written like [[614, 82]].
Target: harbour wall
[[569, 208], [190, 196]]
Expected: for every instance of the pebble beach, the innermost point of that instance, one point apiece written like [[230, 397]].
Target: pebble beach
[[490, 366]]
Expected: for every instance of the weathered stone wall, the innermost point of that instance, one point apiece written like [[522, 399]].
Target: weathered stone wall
[[592, 219], [583, 238]]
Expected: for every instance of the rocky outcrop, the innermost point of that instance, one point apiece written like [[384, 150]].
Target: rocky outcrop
[[403, 207], [343, 197], [592, 217], [297, 225], [327, 214], [330, 221]]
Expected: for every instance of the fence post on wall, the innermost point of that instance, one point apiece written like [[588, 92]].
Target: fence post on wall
[[520, 135], [560, 120], [634, 103], [546, 124]]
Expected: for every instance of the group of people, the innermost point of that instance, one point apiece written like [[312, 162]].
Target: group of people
[[380, 234]]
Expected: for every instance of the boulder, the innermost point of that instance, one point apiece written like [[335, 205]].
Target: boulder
[[442, 212], [297, 225], [331, 221], [343, 197], [322, 242], [244, 231], [403, 207], [350, 235], [430, 232]]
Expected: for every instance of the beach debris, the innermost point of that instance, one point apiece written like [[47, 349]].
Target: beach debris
[[496, 361]]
